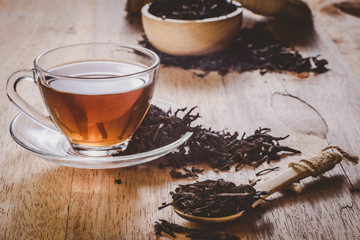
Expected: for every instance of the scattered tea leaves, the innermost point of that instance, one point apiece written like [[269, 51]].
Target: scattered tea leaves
[[221, 150], [172, 228], [254, 49], [266, 171]]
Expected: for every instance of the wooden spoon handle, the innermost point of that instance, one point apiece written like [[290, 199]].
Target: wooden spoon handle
[[314, 166], [284, 179]]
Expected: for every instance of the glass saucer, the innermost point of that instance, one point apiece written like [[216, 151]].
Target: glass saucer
[[54, 147]]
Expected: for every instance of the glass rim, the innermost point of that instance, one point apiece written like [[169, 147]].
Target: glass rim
[[128, 46]]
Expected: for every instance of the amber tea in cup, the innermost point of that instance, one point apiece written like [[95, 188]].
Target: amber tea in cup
[[96, 94]]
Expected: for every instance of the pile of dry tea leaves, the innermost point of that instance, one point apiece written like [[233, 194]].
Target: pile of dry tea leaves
[[211, 198], [190, 9], [160, 128], [254, 49], [172, 228], [220, 150]]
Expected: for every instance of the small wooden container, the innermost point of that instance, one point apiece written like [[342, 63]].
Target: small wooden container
[[191, 37]]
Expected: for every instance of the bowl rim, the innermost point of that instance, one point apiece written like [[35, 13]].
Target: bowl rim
[[238, 11]]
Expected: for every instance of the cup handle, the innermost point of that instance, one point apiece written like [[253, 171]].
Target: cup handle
[[11, 85]]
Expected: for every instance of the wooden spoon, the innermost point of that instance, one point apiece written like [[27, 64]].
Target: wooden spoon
[[314, 166]]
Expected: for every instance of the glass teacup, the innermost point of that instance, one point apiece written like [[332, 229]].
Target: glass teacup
[[96, 94]]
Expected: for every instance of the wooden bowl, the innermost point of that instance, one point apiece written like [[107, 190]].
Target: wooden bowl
[[191, 37]]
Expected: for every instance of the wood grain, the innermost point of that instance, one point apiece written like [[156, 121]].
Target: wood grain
[[343, 29], [41, 200]]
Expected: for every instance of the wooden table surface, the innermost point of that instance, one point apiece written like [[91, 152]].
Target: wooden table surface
[[43, 200]]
